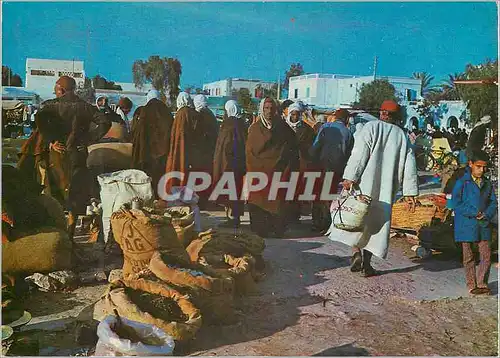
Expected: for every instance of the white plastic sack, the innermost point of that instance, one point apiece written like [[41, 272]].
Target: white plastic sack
[[110, 345], [187, 198], [120, 188]]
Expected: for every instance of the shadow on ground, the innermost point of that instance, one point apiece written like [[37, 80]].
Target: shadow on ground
[[277, 304], [346, 350]]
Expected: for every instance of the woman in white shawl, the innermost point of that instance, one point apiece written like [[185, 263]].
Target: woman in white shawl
[[381, 162]]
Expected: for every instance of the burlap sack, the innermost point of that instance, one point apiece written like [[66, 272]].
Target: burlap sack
[[210, 291], [180, 215], [216, 242], [116, 298], [46, 251], [185, 235], [241, 269], [139, 234]]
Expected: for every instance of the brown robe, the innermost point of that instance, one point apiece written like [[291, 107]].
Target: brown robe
[[230, 156], [269, 151], [185, 143], [151, 133]]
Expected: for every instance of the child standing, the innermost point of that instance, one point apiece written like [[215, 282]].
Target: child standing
[[475, 205]]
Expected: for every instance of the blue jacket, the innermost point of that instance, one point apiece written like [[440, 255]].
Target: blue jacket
[[468, 200], [333, 146]]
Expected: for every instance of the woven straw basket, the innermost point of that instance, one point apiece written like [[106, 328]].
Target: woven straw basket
[[423, 215]]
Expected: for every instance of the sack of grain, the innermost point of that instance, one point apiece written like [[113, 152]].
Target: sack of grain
[[225, 242], [120, 188], [154, 303], [241, 269], [140, 233], [46, 251], [212, 292]]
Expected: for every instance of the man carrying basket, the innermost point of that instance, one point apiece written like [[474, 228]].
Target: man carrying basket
[[381, 162]]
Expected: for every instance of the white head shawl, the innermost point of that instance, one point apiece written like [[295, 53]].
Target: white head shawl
[[200, 102], [99, 98], [484, 120], [183, 100], [264, 121], [232, 109], [153, 94], [294, 107]]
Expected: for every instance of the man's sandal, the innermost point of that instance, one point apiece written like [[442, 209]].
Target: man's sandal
[[480, 291], [356, 262], [369, 272]]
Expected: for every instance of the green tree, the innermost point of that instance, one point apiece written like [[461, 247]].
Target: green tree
[[295, 69], [244, 99], [481, 99], [87, 93], [100, 82], [426, 80], [371, 95], [163, 73], [451, 91], [10, 79], [267, 92]]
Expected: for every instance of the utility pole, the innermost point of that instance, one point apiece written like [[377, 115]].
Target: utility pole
[[375, 68], [279, 86]]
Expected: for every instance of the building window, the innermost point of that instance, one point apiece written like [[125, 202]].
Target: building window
[[296, 93], [308, 92], [351, 85], [42, 73]]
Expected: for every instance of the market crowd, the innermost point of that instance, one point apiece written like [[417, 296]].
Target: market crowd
[[376, 159]]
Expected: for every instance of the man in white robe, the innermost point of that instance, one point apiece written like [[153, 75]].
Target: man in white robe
[[381, 162]]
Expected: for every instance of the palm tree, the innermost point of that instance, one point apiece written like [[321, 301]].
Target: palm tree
[[426, 80], [451, 91]]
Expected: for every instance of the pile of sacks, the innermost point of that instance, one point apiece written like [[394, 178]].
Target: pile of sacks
[[173, 278]]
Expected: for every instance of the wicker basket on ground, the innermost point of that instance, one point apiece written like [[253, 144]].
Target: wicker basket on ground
[[425, 214]]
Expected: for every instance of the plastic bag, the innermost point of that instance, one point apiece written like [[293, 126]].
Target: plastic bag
[[110, 344]]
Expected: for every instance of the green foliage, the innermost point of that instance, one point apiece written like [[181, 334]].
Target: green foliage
[[10, 79], [296, 69], [267, 92], [481, 99], [163, 73], [451, 91], [426, 80], [100, 82], [371, 95], [244, 99]]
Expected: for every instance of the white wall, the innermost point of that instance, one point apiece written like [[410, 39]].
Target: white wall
[[41, 74], [226, 87]]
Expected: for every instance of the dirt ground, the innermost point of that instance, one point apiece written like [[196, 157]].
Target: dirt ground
[[309, 303]]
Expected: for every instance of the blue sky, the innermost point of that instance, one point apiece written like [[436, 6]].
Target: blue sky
[[253, 40]]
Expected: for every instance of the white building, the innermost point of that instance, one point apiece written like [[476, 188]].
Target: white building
[[334, 90], [41, 75], [131, 87], [225, 88], [445, 114]]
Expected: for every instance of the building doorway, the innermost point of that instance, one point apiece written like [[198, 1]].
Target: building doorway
[[453, 122]]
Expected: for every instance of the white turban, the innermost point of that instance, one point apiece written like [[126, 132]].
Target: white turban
[[153, 94], [232, 109], [264, 121], [183, 100], [294, 107], [484, 120], [200, 102]]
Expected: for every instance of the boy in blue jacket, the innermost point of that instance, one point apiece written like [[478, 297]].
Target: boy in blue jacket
[[475, 205]]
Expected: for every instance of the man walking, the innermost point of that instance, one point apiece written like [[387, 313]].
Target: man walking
[[382, 161], [330, 151]]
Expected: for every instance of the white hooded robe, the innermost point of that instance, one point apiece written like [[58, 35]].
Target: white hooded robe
[[381, 162]]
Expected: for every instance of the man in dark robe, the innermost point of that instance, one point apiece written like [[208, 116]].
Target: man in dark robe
[[331, 151], [230, 158], [185, 142], [151, 138], [271, 147], [67, 125], [208, 128], [305, 137], [477, 138]]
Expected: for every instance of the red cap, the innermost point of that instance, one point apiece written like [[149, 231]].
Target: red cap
[[389, 105], [341, 113]]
